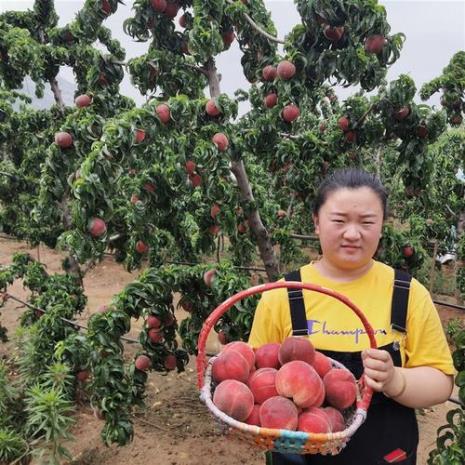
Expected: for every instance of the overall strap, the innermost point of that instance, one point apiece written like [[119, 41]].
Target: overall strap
[[399, 304], [297, 306]]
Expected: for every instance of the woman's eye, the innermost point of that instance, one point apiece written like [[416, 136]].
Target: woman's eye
[[338, 221]]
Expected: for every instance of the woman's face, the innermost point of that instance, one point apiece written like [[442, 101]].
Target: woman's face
[[349, 226]]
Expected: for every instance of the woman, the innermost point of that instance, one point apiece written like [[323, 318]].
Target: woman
[[412, 367]]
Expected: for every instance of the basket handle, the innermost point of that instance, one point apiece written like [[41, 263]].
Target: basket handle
[[219, 311]]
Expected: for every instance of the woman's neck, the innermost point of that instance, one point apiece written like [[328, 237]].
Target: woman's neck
[[328, 270]]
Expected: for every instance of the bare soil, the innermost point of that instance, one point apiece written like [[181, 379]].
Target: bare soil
[[175, 428]]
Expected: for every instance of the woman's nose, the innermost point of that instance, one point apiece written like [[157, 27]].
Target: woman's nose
[[352, 232]]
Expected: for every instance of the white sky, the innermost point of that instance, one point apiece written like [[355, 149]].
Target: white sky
[[435, 30]]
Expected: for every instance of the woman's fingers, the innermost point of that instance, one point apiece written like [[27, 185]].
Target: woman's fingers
[[378, 376], [375, 385], [376, 354], [375, 364]]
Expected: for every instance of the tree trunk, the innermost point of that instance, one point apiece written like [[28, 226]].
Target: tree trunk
[[57, 93], [265, 246], [74, 267]]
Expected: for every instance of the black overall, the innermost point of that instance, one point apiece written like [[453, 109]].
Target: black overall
[[389, 425]]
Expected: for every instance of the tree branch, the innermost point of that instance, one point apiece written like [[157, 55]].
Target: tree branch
[[363, 117], [258, 28], [70, 322]]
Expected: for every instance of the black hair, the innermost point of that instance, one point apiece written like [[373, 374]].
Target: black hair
[[350, 178]]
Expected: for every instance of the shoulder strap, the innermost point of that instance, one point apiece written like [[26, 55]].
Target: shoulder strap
[[297, 306], [399, 304]]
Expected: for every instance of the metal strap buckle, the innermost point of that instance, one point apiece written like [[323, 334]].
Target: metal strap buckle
[[300, 332], [398, 327], [402, 284]]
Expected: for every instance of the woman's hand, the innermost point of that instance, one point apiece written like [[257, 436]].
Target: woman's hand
[[380, 373]]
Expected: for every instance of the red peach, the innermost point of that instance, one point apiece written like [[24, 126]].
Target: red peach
[[149, 187], [139, 136], [340, 387], [300, 382], [214, 229], [83, 100], [190, 166], [171, 10], [195, 180], [170, 362], [333, 33], [375, 43], [211, 108], [267, 356], [143, 363], [234, 398], [286, 70], [97, 227], [153, 321], [208, 277], [82, 375], [221, 141], [312, 422], [230, 365], [269, 73], [244, 349], [63, 139], [141, 247], [336, 420], [290, 113], [228, 37], [296, 348], [262, 384], [270, 100], [182, 21], [254, 417], [163, 112], [155, 335], [215, 210], [402, 113], [344, 123], [321, 363], [278, 412], [158, 5], [241, 228]]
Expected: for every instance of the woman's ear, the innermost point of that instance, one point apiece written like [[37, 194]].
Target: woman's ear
[[316, 223]]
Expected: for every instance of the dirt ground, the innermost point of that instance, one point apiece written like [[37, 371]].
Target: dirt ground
[[175, 428]]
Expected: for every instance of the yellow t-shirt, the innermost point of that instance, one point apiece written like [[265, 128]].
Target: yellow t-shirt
[[334, 326]]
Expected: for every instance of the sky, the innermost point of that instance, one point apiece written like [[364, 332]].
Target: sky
[[435, 30]]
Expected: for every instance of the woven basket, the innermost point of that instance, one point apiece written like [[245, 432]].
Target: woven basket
[[280, 440]]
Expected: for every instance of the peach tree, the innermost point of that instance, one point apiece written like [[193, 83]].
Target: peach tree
[[174, 179]]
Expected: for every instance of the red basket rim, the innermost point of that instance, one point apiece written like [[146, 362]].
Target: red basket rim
[[221, 309]]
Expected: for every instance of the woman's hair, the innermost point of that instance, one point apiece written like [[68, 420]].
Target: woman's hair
[[350, 178]]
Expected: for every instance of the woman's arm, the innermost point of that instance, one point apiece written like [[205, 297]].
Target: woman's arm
[[417, 387]]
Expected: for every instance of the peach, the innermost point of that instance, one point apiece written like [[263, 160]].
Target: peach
[[296, 348], [336, 420], [262, 384], [321, 363], [314, 421], [244, 349], [230, 365], [234, 398], [299, 381], [254, 417], [278, 412], [340, 387], [266, 356]]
